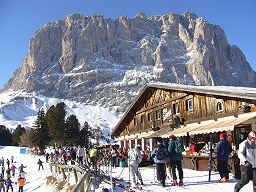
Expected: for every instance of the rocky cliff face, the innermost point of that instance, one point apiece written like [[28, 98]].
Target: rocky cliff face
[[104, 61]]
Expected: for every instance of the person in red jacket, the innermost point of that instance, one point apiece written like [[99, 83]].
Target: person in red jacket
[[13, 169], [192, 148]]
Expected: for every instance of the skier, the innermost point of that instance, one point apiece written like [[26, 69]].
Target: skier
[[21, 182], [13, 169], [159, 155], [21, 169], [175, 149], [8, 183], [2, 182], [8, 163], [247, 156], [223, 151], [40, 164], [12, 159], [134, 159], [2, 161], [2, 168]]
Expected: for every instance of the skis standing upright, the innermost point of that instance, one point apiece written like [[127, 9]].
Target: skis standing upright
[[210, 164]]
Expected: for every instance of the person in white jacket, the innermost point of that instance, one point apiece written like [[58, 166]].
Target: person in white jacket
[[134, 157], [247, 156]]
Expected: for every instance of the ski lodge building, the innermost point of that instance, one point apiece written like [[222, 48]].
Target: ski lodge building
[[187, 112]]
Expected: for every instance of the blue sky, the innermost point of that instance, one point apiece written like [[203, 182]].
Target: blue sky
[[20, 19]]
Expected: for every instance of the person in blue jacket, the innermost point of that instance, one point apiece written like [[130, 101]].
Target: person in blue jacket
[[159, 155], [224, 149], [175, 149]]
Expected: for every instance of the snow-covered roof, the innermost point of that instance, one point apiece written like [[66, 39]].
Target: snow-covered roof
[[229, 91]]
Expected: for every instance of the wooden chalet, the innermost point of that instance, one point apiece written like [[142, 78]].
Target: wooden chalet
[[164, 109]]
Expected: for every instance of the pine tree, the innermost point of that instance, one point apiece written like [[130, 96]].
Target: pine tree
[[16, 134], [55, 118], [71, 133], [5, 136], [41, 131], [85, 135]]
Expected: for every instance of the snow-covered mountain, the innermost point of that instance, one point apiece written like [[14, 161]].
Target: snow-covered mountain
[[21, 108], [102, 61]]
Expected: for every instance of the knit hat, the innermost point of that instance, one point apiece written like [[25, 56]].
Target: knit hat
[[252, 135], [159, 140], [222, 136], [172, 136]]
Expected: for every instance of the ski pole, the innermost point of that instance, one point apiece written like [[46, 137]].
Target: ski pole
[[111, 176], [121, 173], [154, 173]]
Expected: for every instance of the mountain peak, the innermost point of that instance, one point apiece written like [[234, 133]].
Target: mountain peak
[[103, 61]]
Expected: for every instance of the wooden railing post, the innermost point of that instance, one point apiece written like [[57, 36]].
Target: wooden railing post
[[75, 174], [64, 175]]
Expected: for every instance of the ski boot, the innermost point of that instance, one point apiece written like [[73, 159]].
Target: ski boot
[[181, 182], [174, 182]]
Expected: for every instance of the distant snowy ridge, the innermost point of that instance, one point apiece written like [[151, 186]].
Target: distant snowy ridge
[[21, 108]]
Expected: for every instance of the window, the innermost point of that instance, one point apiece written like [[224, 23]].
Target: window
[[219, 106], [135, 120], [189, 105], [142, 119], [149, 117], [176, 108], [158, 114]]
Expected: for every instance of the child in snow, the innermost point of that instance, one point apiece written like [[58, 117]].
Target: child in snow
[[8, 184], [8, 173], [40, 163], [2, 181], [13, 169], [21, 182]]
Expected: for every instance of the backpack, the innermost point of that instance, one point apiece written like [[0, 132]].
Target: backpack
[[160, 153], [178, 147], [135, 156]]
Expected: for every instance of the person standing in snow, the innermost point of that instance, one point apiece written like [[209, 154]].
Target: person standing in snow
[[2, 161], [2, 168], [113, 157], [93, 156], [13, 169], [21, 182], [134, 159], [159, 155], [247, 156], [40, 164], [175, 149], [12, 159], [21, 169], [223, 151], [8, 163], [80, 154], [2, 182], [8, 183]]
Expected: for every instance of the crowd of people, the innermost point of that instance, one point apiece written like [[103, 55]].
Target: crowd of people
[[167, 156], [8, 173]]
